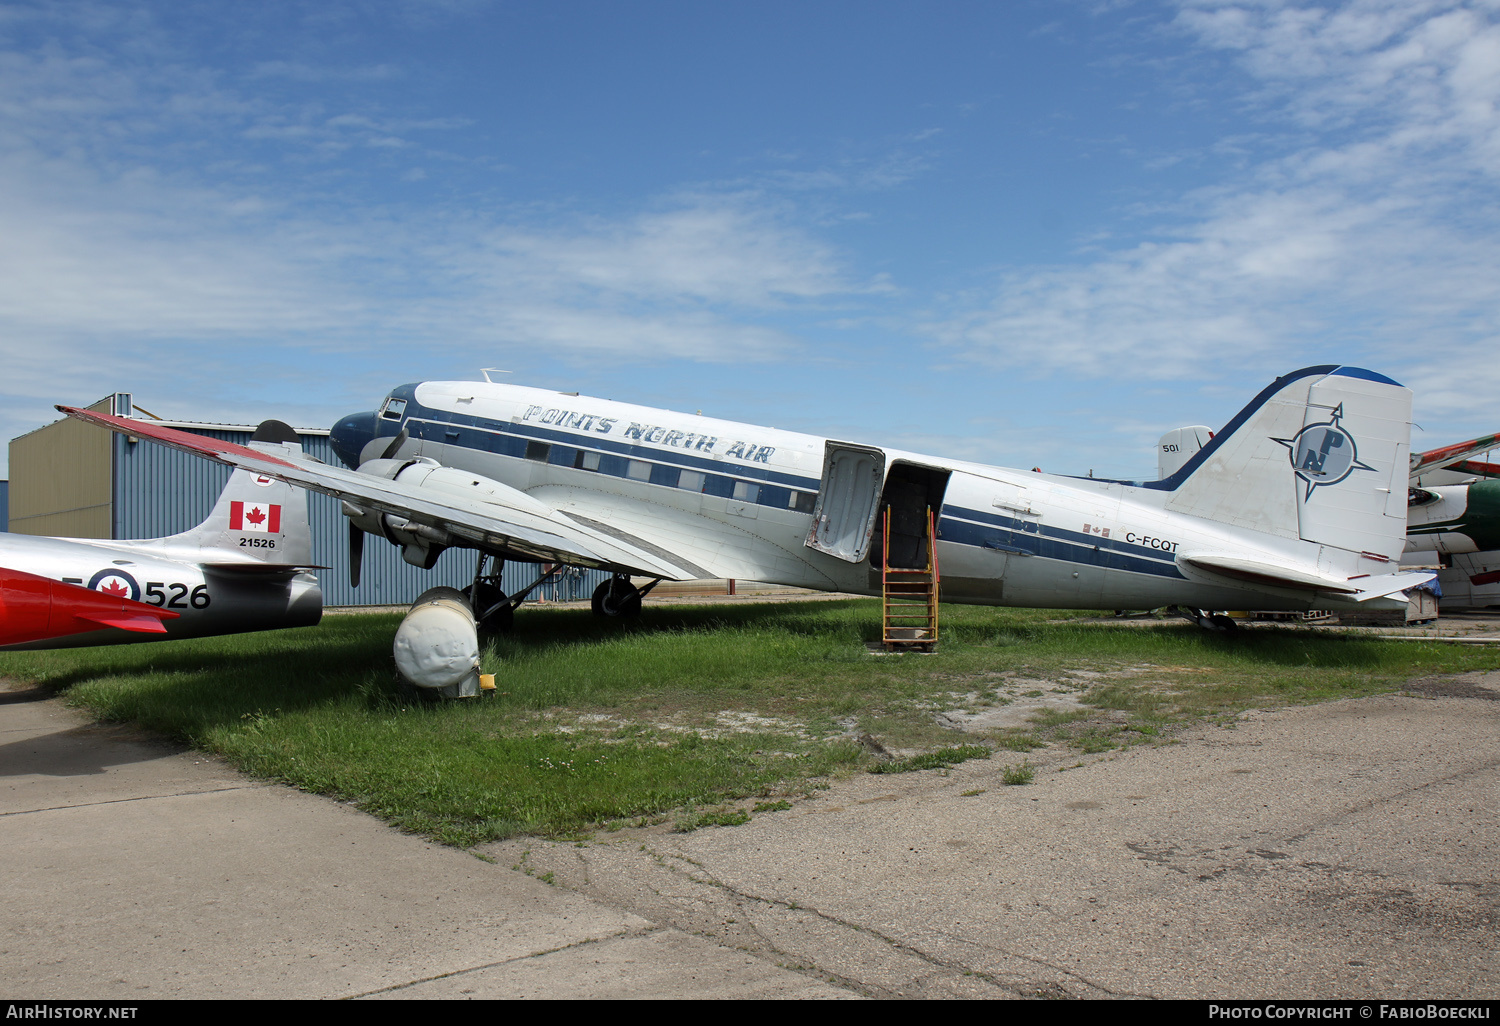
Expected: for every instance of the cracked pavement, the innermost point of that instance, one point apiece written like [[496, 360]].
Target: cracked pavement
[[1341, 850], [136, 870]]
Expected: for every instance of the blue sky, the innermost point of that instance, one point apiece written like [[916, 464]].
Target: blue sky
[[1021, 233]]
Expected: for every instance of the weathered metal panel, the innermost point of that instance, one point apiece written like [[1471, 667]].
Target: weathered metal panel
[[60, 480]]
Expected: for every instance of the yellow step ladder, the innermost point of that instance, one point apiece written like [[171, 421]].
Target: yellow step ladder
[[910, 596]]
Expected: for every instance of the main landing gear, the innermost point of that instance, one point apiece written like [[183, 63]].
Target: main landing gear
[[1207, 619], [437, 645], [618, 598]]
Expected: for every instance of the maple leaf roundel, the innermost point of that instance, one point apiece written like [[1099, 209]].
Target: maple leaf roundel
[[117, 583]]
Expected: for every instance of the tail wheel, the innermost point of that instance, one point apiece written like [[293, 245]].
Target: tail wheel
[[617, 598]]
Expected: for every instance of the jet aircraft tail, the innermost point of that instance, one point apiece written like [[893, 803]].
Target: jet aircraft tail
[[1321, 455], [258, 522]]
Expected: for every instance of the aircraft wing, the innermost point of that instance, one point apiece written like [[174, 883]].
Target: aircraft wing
[[1437, 459], [506, 520], [1474, 468], [726, 551]]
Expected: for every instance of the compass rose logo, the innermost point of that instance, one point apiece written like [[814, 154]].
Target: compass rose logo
[[1323, 454]]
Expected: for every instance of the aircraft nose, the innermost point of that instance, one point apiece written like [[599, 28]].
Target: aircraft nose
[[350, 436]]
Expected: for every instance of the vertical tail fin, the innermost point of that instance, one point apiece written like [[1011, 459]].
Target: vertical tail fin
[[257, 519], [1321, 455]]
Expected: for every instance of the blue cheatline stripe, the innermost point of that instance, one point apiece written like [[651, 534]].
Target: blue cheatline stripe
[[598, 443], [564, 451], [1051, 543], [1029, 529]]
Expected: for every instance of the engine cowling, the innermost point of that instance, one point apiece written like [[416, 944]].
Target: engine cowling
[[420, 544]]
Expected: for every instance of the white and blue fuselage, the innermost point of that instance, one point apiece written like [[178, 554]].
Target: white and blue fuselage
[[726, 499]]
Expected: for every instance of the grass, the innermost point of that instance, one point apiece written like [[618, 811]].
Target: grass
[[691, 710], [940, 759], [1025, 773]]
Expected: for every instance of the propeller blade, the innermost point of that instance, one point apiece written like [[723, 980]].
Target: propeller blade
[[356, 554], [396, 443]]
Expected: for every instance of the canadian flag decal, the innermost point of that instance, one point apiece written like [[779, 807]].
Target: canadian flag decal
[[255, 516]]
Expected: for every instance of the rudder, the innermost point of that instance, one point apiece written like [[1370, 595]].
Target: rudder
[[1320, 456], [257, 519]]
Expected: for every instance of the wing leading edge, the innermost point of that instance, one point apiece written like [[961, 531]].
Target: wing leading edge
[[507, 520]]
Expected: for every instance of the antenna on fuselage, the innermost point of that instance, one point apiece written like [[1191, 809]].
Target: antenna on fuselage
[[487, 371]]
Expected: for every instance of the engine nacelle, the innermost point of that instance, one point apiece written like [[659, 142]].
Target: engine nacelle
[[1444, 518], [437, 645], [420, 544]]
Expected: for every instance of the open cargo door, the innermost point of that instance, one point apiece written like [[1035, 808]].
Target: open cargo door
[[848, 500], [914, 495]]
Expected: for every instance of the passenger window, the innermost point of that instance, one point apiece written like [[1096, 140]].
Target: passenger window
[[744, 491], [638, 471]]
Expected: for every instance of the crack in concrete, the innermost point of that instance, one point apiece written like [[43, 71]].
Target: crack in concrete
[[1374, 803], [1017, 988], [506, 961], [136, 798]]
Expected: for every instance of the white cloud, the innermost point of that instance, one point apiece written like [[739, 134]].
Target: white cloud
[[714, 249], [1375, 239], [120, 250]]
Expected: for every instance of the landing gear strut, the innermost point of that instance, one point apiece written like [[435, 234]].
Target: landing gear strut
[[495, 611]]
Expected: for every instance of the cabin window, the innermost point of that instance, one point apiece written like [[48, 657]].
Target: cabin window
[[802, 502], [691, 480], [587, 460], [538, 451], [744, 491], [638, 470]]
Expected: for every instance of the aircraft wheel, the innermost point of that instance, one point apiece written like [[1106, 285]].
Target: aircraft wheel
[[617, 598], [1223, 623], [501, 620]]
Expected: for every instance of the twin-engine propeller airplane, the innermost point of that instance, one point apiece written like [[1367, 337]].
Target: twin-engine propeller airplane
[[1300, 502], [241, 570]]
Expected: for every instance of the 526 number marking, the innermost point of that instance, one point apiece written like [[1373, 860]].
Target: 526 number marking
[[179, 599]]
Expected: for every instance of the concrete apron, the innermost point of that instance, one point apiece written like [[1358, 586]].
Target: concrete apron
[[134, 870], [1341, 850]]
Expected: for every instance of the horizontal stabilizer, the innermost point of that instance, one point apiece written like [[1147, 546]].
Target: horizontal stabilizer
[[1279, 575], [1273, 574], [1390, 584]]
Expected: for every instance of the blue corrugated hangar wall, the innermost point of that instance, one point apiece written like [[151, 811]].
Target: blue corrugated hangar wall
[[159, 491]]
